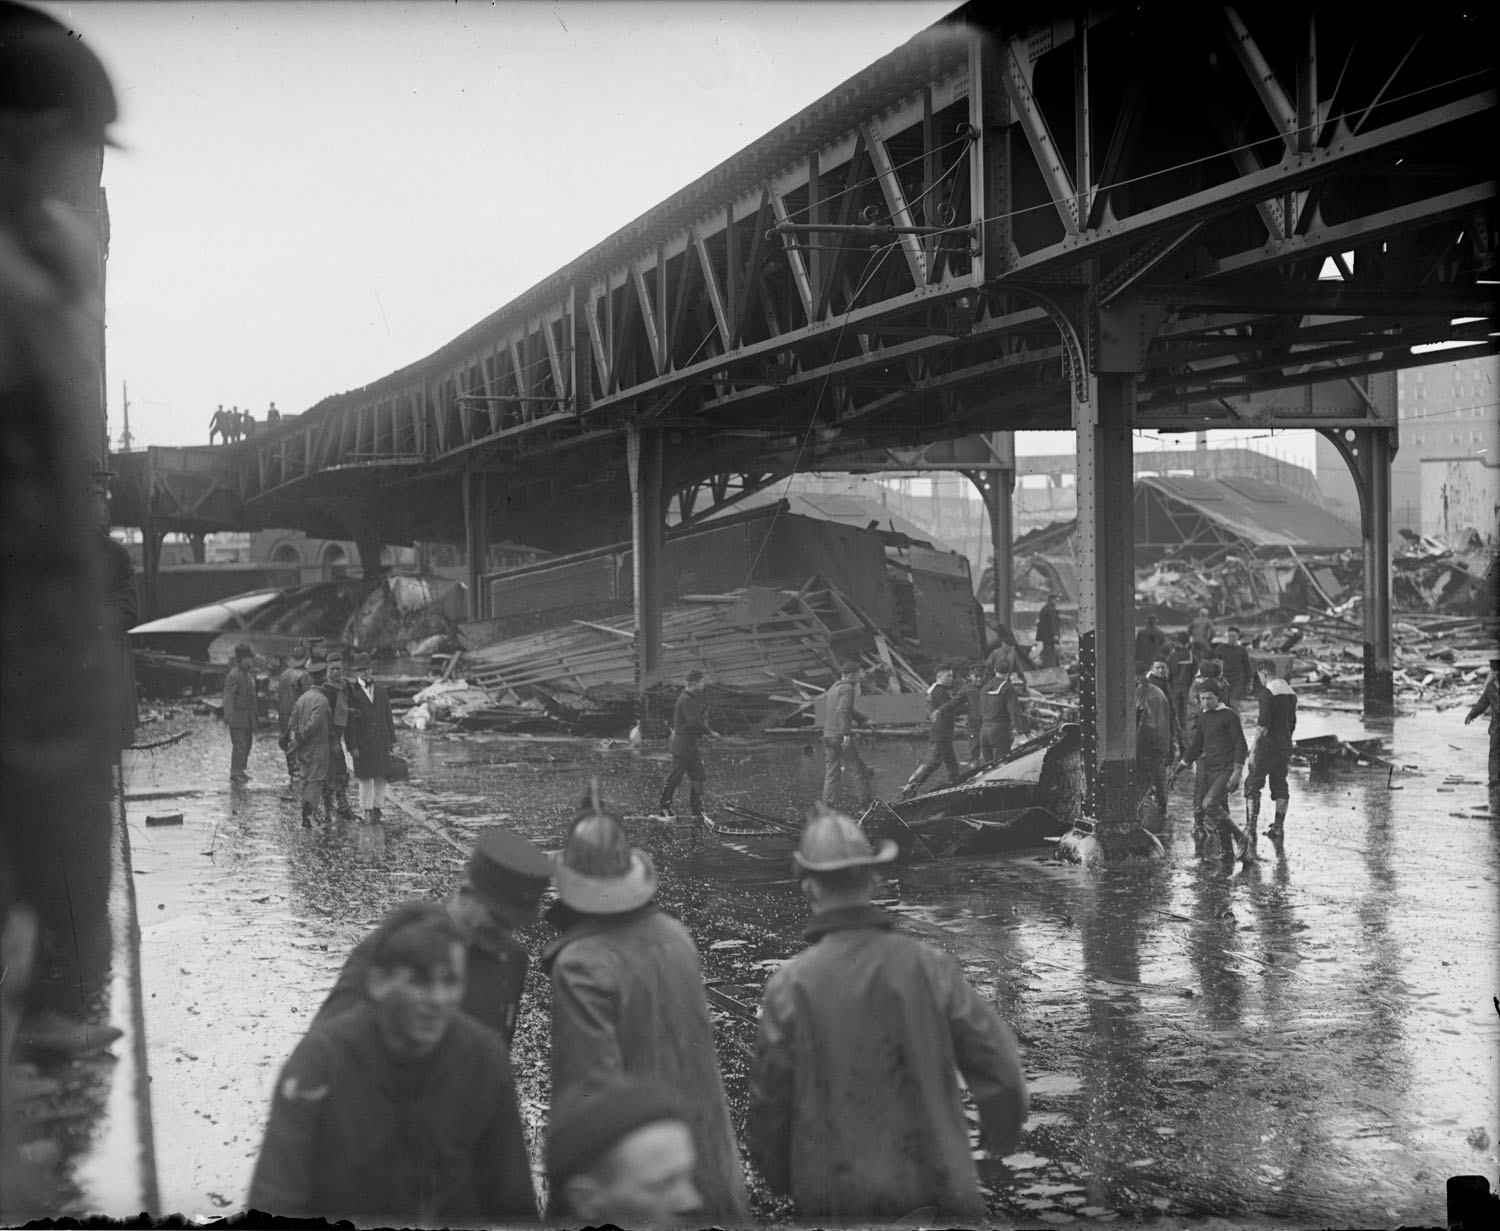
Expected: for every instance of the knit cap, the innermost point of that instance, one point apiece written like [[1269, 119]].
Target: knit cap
[[588, 1121]]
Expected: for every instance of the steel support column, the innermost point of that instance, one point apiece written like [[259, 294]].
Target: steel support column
[[1369, 452], [648, 540], [151, 541], [1106, 600], [476, 540], [1379, 448], [997, 486]]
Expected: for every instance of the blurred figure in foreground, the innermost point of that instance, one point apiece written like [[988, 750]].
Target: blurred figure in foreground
[[58, 744], [402, 1111], [622, 1154]]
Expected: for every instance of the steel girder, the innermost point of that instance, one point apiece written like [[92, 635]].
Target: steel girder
[[888, 267]]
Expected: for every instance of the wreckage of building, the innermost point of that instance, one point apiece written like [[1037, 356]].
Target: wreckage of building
[[1111, 220]]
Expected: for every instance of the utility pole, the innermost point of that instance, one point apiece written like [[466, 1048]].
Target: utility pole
[[125, 417]]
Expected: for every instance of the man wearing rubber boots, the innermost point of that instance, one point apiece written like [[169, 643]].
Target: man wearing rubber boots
[[1217, 746], [839, 748], [1274, 725], [945, 706], [689, 725], [851, 1133]]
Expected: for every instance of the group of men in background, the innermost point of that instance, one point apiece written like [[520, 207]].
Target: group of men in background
[[400, 1106], [1188, 695], [320, 713]]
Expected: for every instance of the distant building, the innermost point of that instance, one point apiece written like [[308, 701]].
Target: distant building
[[1447, 413]]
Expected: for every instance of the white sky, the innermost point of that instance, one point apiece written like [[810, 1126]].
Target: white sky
[[312, 195]]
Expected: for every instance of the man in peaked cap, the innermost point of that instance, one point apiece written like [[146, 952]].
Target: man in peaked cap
[[834, 1122], [628, 998], [501, 888]]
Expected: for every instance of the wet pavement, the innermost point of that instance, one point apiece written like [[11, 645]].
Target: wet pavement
[[1310, 1040]]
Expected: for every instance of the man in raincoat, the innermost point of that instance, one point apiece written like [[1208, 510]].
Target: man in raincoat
[[628, 999], [308, 733], [855, 1111], [291, 684], [240, 712]]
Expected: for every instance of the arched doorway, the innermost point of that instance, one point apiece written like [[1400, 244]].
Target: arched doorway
[[335, 561]]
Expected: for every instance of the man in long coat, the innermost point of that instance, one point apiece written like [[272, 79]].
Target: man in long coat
[[240, 712], [311, 719], [371, 736], [628, 999], [336, 787], [855, 1111], [291, 684]]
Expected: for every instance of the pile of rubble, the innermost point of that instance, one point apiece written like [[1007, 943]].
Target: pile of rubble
[[769, 654]]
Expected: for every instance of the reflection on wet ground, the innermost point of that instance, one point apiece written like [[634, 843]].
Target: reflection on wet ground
[[1309, 1039]]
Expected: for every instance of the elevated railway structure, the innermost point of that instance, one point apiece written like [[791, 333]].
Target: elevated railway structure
[[1027, 217]]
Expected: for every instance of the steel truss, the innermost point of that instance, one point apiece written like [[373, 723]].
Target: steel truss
[[892, 265]]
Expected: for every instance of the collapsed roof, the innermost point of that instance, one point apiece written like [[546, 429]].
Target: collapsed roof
[[1190, 517]]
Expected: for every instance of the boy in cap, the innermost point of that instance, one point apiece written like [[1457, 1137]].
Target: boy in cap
[[628, 997], [240, 711], [834, 1122], [500, 891], [402, 1111], [944, 706], [291, 684], [622, 1154], [1275, 724], [1217, 744], [689, 725]]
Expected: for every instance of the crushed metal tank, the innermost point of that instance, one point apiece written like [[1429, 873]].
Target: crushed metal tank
[[1025, 799]]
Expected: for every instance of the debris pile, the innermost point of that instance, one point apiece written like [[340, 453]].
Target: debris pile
[[1430, 575]]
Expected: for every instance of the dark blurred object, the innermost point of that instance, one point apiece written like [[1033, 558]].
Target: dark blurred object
[[56, 697], [1471, 1204]]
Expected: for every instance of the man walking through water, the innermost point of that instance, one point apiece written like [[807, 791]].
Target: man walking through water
[[689, 725], [1274, 725], [1218, 746], [839, 748], [945, 706]]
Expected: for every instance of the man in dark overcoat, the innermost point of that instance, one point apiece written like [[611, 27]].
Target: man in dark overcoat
[[241, 712], [371, 737]]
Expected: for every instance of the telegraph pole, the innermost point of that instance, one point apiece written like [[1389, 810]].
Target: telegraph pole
[[125, 417]]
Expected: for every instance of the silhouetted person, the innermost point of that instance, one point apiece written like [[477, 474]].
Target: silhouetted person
[[273, 416], [1048, 631]]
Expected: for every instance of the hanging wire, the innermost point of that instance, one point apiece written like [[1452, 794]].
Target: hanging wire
[[876, 259]]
